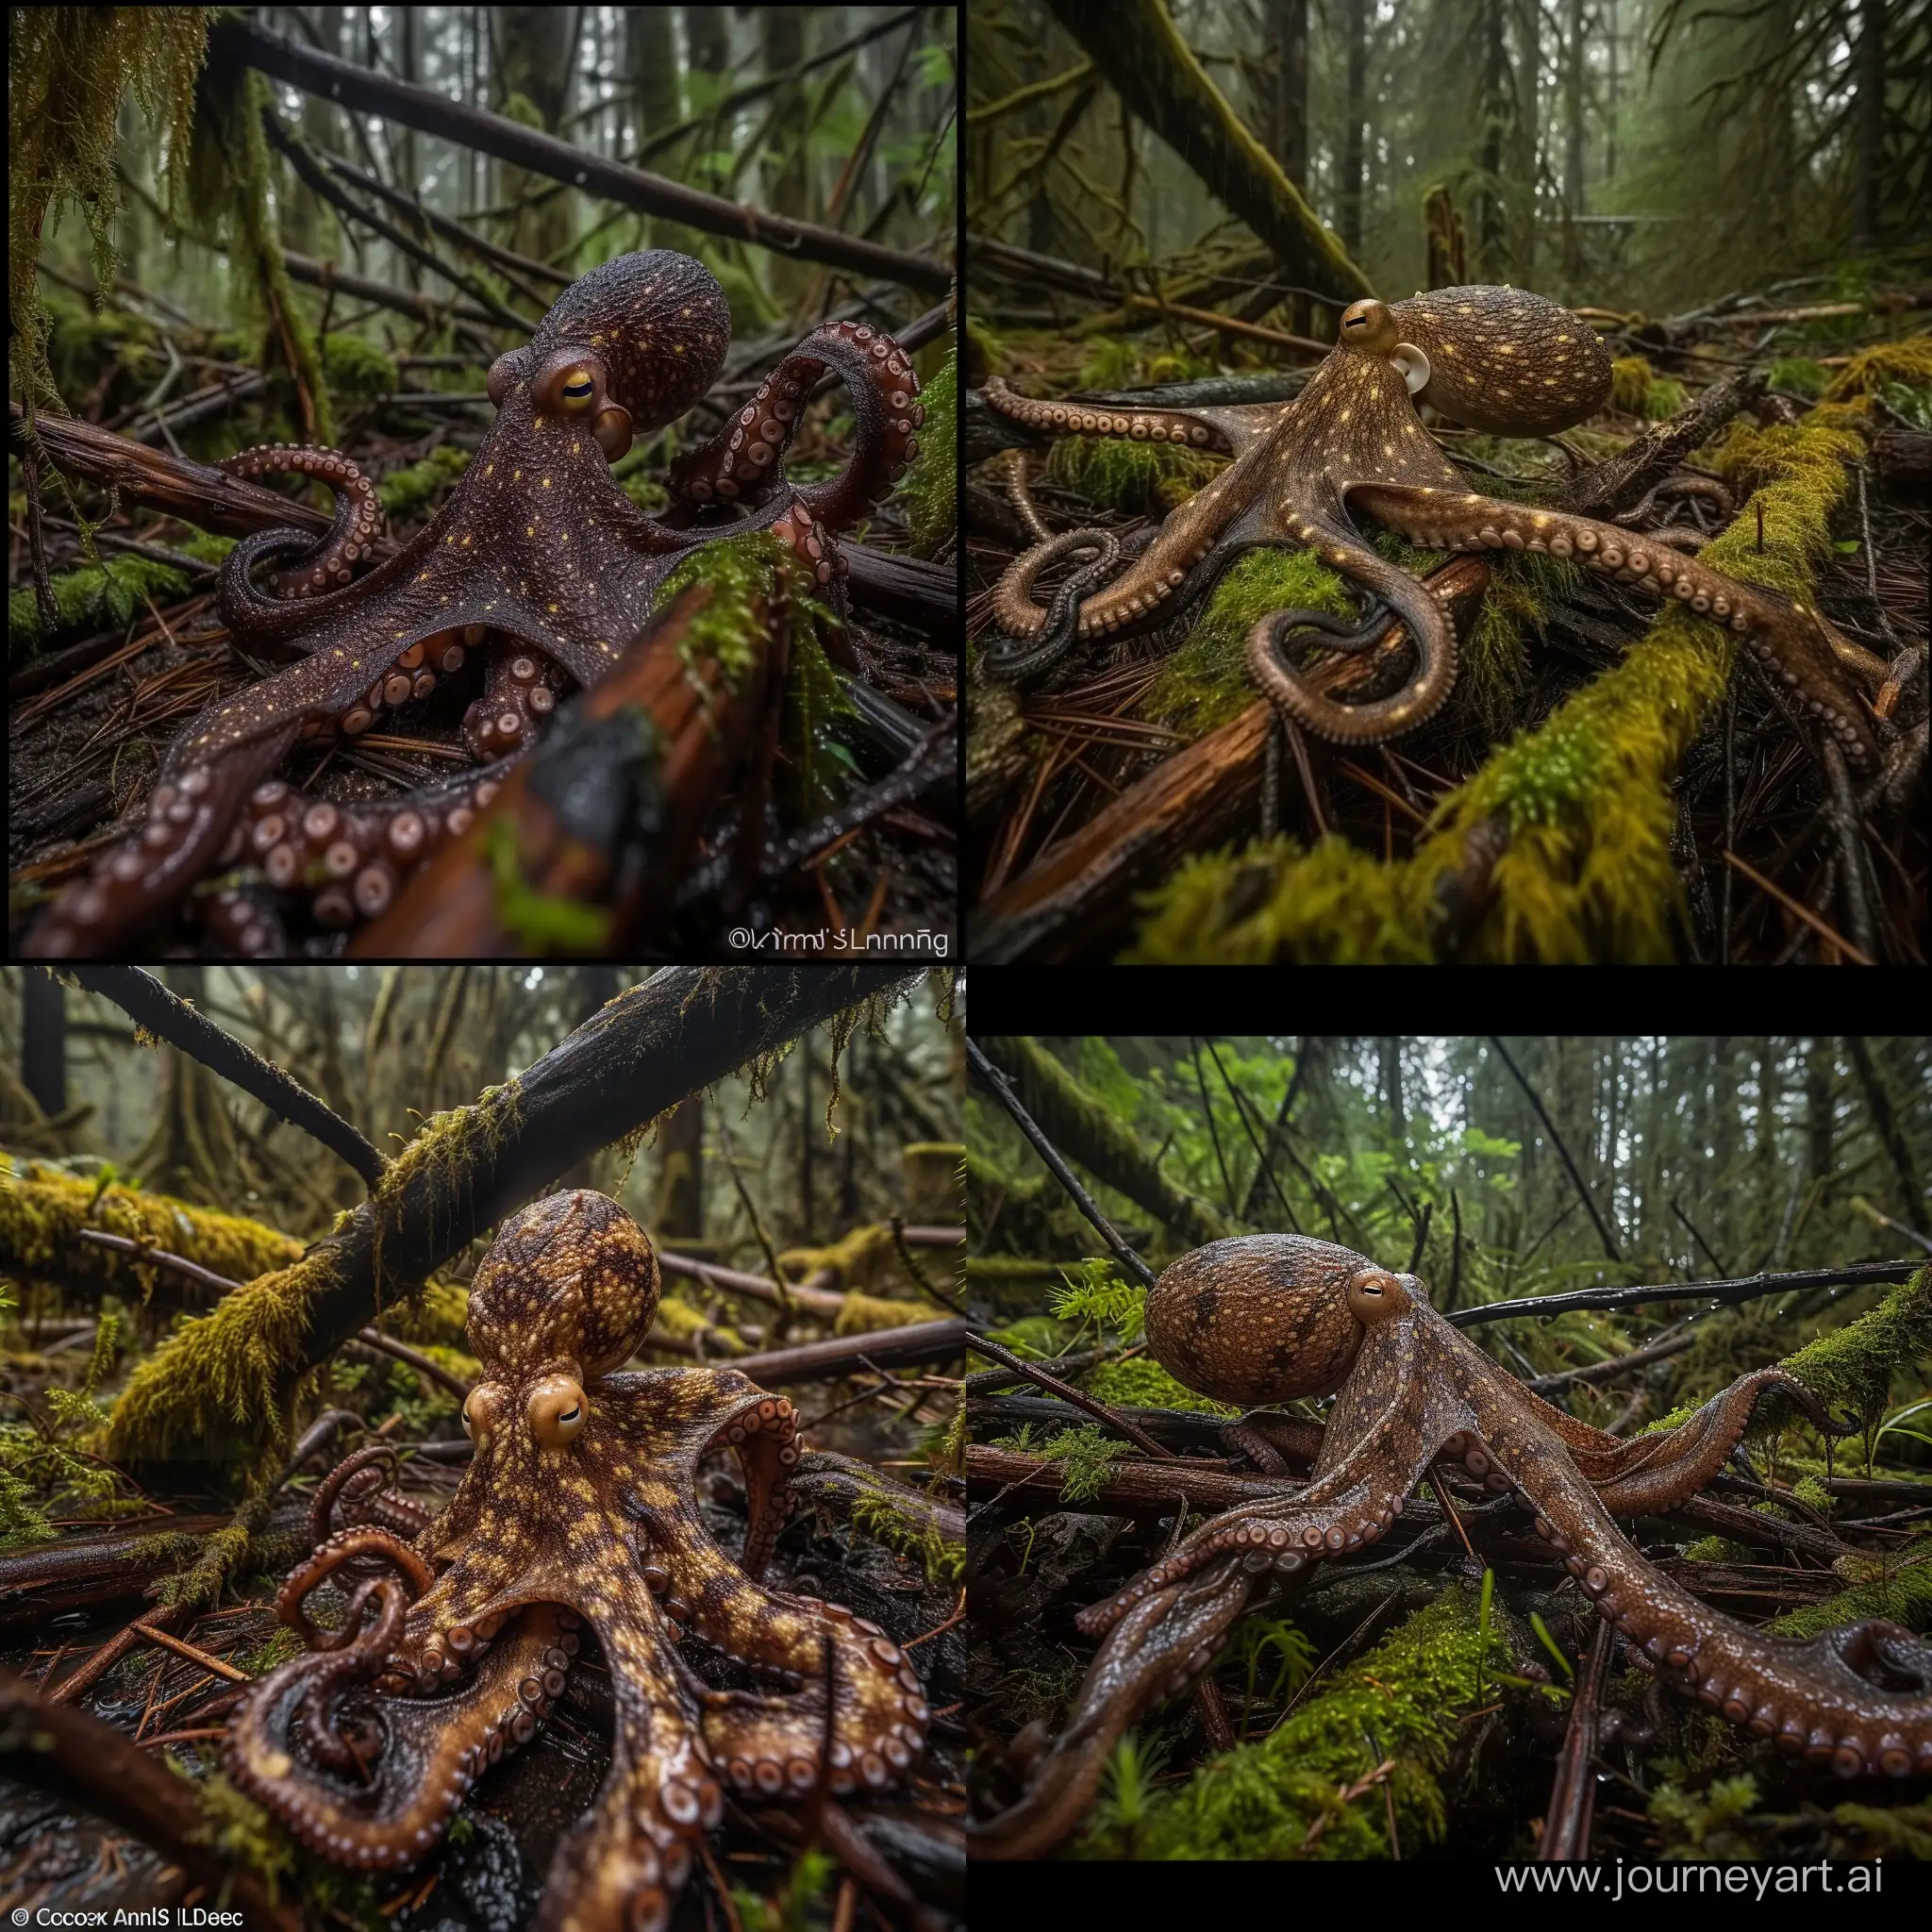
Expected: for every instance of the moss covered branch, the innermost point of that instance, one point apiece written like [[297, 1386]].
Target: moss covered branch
[[224, 1386], [1083, 1130]]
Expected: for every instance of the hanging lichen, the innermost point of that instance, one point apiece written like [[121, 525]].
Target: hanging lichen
[[228, 184], [67, 70]]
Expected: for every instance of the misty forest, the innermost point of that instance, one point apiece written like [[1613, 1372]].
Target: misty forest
[[1218, 716], [479, 1433], [400, 392], [1656, 1313]]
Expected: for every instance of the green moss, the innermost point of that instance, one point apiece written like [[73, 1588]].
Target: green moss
[[403, 492], [1143, 1383], [1852, 1367], [96, 598], [538, 922], [1705, 1824], [43, 1211], [1899, 1592], [930, 488], [1718, 1549], [1525, 587], [1799, 375], [1085, 1456], [1870, 370], [897, 1521], [1206, 682], [1095, 1293], [1120, 473], [745, 575], [1405, 1699], [247, 1834], [1585, 798], [357, 369], [815, 707], [1637, 390]]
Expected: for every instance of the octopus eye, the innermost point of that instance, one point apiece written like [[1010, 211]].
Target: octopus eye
[[558, 1409], [576, 390], [1376, 1296]]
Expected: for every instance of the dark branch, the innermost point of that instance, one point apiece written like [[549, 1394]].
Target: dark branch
[[149, 1004], [1557, 1141], [1747, 1287]]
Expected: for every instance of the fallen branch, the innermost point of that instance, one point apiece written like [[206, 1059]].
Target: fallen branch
[[149, 1004], [361, 91], [53, 1747], [820, 1361], [1746, 1288], [1067, 1393]]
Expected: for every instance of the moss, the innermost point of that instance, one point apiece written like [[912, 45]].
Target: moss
[[930, 488], [68, 69], [857, 1259], [986, 355], [1718, 1549], [1284, 1797], [1868, 371], [43, 1211], [815, 707], [1705, 1824], [1585, 797], [247, 1834], [1637, 390], [1799, 375], [1496, 663], [1899, 1592], [745, 575], [1852, 1368], [1143, 1383], [539, 922], [101, 596], [1206, 682], [1085, 1456], [646, 493], [864, 1314], [1120, 474], [908, 1531], [357, 369], [679, 1320], [403, 492]]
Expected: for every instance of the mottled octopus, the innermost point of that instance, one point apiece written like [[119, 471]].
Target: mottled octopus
[[1269, 1318], [577, 1511], [537, 557], [1492, 358]]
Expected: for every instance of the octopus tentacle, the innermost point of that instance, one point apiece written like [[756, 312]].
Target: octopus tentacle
[[1430, 626], [326, 563], [1161, 1645], [1075, 418], [363, 1483], [345, 1546], [1785, 639], [519, 689], [431, 1750], [744, 463], [765, 1435], [1012, 657]]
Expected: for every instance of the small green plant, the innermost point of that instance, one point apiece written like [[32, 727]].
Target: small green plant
[[1086, 1454]]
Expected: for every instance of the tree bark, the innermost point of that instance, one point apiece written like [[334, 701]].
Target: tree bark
[[44, 1040], [1871, 120], [1136, 46], [1355, 27]]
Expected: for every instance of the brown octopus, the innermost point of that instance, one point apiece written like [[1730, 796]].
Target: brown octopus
[[577, 1510], [1495, 359], [1269, 1318], [537, 557]]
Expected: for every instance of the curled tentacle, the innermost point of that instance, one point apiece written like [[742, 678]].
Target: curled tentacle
[[744, 463], [520, 690], [1788, 640], [1010, 657], [324, 563], [1167, 1641], [344, 1547], [358, 1656], [1430, 627], [364, 1483], [765, 1435]]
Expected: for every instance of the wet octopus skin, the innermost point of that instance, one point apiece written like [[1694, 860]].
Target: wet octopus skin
[[1273, 1317], [1494, 358], [577, 1509], [536, 551]]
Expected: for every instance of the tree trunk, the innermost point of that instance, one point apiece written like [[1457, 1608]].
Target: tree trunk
[[680, 1205], [44, 1040], [1355, 27], [533, 86], [708, 36], [1291, 20], [1135, 45], [1869, 61], [1891, 1132], [1573, 146]]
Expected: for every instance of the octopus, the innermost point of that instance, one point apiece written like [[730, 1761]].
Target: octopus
[[538, 561], [1268, 1318], [575, 1522], [1498, 359]]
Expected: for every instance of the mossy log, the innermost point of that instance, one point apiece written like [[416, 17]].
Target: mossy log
[[1137, 46], [224, 1386], [1558, 849], [1084, 1130], [43, 1211]]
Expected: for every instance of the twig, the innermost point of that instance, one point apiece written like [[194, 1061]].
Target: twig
[[1617, 1365], [913, 1269], [44, 606], [373, 1337], [181, 1648], [110, 1654], [1800, 911], [1566, 1824], [178, 1264], [1556, 1140], [1079, 1398], [958, 1616], [816, 1362], [1084, 1202], [1747, 1287], [149, 1004]]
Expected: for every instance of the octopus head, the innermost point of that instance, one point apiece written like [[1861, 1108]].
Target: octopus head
[[1269, 1317], [565, 1294], [1502, 359], [1370, 328], [634, 343]]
